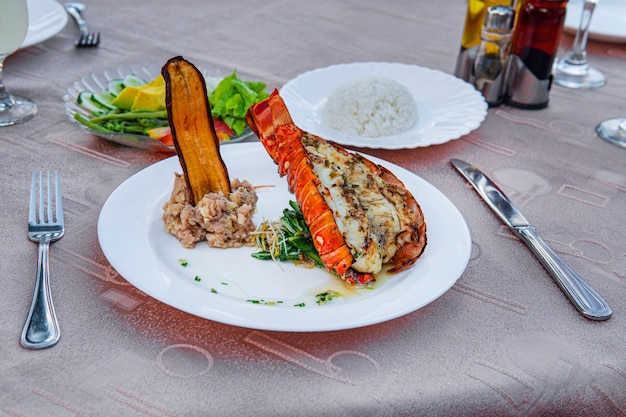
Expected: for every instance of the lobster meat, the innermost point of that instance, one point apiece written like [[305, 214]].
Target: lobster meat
[[359, 213]]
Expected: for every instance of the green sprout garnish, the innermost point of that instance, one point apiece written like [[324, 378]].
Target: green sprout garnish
[[287, 239]]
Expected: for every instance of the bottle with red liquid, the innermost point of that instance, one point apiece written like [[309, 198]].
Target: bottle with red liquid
[[536, 36]]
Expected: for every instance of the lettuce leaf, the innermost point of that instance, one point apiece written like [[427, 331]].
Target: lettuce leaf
[[231, 99]]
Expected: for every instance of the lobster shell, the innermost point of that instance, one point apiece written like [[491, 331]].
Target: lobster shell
[[290, 148]]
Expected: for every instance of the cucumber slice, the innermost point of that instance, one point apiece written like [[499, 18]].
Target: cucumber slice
[[133, 80], [85, 100], [84, 97], [115, 86], [103, 99]]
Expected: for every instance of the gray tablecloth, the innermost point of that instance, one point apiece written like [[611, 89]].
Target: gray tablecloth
[[504, 340]]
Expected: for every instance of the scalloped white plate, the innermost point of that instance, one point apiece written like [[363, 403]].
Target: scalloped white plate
[[46, 18], [133, 239], [97, 81], [448, 107]]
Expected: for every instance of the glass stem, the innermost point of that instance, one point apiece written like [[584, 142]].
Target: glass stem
[[6, 100], [578, 54]]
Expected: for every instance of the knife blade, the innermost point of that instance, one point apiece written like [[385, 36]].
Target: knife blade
[[584, 298]]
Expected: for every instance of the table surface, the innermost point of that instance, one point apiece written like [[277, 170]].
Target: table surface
[[504, 340]]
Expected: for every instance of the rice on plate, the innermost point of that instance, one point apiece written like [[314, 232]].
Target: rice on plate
[[370, 107]]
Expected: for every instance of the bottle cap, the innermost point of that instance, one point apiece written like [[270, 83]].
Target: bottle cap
[[499, 18]]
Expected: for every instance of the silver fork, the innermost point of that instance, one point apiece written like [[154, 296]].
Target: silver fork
[[41, 329], [76, 9]]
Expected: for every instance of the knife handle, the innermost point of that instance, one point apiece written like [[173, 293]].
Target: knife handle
[[581, 295]]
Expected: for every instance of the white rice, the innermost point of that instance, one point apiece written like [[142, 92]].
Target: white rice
[[370, 107]]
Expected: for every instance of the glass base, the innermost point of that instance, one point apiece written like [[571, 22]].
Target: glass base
[[613, 131], [577, 75], [21, 110]]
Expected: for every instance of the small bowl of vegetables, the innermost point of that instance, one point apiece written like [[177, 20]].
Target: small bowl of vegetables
[[126, 105]]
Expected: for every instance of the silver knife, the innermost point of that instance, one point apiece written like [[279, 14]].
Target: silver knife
[[581, 295]]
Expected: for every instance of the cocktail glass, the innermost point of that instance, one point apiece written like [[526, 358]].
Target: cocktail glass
[[13, 29], [573, 70], [614, 131]]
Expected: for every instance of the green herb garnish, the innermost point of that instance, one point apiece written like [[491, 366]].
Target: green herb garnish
[[267, 303], [326, 297]]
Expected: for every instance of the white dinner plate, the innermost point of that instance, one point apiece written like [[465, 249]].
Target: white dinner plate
[[608, 22], [234, 288], [46, 18], [448, 107]]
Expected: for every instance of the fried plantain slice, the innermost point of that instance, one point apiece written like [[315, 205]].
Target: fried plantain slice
[[193, 132]]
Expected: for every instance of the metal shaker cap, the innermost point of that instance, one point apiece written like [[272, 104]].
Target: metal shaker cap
[[499, 18]]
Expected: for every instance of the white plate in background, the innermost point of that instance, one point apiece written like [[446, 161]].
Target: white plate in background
[[46, 18], [448, 107]]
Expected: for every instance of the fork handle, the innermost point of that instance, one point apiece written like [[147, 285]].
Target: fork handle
[[78, 18], [41, 329]]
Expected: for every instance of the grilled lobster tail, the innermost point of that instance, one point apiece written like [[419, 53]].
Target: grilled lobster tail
[[359, 214]]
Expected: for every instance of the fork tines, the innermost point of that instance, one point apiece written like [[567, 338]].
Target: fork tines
[[42, 212], [88, 40]]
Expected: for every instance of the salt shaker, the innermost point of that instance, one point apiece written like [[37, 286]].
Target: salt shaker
[[533, 49], [470, 40], [488, 72]]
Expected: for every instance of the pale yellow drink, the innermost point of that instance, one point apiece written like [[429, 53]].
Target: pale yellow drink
[[13, 25]]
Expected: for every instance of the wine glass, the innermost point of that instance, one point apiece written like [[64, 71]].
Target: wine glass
[[573, 71], [614, 131], [13, 28]]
